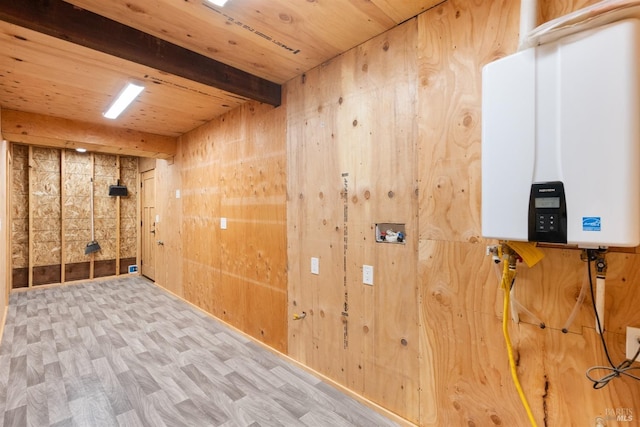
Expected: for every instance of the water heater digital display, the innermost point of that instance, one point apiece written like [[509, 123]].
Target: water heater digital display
[[561, 140], [546, 202]]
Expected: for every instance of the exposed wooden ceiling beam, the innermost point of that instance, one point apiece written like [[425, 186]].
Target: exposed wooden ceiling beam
[[67, 22], [36, 129]]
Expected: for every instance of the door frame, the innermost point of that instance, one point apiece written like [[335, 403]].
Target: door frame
[[143, 227]]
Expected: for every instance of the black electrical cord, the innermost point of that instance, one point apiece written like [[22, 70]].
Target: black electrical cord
[[615, 371], [595, 311]]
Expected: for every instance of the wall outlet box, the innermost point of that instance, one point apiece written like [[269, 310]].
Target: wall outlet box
[[315, 266], [367, 274], [133, 269], [398, 232], [633, 335]]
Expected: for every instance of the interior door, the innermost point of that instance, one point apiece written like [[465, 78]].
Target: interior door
[[148, 230]]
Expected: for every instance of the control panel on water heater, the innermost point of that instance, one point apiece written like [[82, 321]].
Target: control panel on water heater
[[547, 213]]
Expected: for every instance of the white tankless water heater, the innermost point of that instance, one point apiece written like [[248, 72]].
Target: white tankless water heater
[[561, 141]]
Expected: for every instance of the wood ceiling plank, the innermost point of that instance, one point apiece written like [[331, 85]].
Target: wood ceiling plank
[[42, 74], [65, 21], [254, 35], [277, 40], [400, 11]]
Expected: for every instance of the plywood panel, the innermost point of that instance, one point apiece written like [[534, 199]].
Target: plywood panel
[[61, 195], [128, 175], [464, 375], [315, 225], [352, 164], [19, 187], [105, 173], [463, 369], [466, 351], [77, 181], [45, 196], [235, 168], [454, 45]]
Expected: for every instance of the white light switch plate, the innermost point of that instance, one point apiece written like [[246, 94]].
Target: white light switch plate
[[367, 274], [315, 266], [177, 194], [223, 223]]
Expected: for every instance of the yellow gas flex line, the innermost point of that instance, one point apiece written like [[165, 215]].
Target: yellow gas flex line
[[508, 274]]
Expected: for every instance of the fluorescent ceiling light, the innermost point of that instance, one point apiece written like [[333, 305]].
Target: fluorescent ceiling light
[[125, 98], [218, 2], [81, 150]]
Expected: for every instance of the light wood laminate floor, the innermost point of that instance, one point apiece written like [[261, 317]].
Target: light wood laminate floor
[[122, 352]]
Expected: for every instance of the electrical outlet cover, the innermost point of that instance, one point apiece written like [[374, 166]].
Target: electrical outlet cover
[[633, 335], [367, 274]]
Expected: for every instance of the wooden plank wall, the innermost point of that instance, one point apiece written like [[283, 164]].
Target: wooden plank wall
[[235, 168], [390, 131], [387, 132], [5, 227], [51, 215], [464, 371]]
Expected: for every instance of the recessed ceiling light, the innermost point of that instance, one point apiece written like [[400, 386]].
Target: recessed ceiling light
[[218, 2], [125, 98]]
